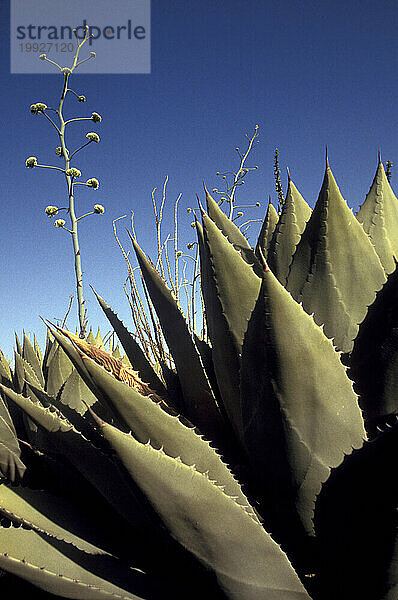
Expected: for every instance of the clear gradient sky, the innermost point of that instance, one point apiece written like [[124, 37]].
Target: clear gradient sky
[[309, 73]]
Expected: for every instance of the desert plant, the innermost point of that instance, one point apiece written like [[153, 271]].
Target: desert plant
[[71, 173], [115, 477], [250, 461]]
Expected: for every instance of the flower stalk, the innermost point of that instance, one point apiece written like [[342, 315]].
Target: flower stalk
[[71, 173]]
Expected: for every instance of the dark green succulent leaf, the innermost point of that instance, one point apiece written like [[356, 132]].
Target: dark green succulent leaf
[[19, 372], [76, 394], [5, 371], [237, 285], [292, 221], [374, 358], [199, 401], [37, 350], [96, 467], [5, 414], [247, 563], [68, 526], [224, 223], [300, 412], [152, 422], [132, 349], [76, 419], [205, 351], [230, 290], [232, 233], [43, 511], [75, 359], [223, 348], [50, 419], [267, 230], [31, 379], [335, 271], [356, 523], [58, 567], [24, 424], [30, 355], [59, 369], [47, 352], [379, 217], [11, 465], [18, 345]]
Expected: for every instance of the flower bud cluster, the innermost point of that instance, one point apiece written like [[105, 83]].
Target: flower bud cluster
[[99, 209], [59, 223], [31, 162], [58, 151], [96, 117], [94, 183], [37, 108], [72, 172], [51, 211], [93, 137]]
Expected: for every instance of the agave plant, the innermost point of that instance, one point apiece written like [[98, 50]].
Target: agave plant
[[261, 466]]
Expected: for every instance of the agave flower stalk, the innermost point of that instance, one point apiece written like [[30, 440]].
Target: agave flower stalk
[[71, 173]]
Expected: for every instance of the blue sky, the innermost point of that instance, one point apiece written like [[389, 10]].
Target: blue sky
[[307, 72]]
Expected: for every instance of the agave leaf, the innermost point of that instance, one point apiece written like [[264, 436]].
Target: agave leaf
[[267, 230], [230, 290], [5, 371], [18, 345], [247, 563], [98, 341], [116, 352], [11, 465], [224, 223], [379, 217], [335, 271], [58, 567], [90, 338], [19, 372], [75, 359], [237, 285], [47, 352], [133, 350], [300, 413], [231, 232], [59, 369], [37, 350], [150, 421], [76, 394], [356, 515], [43, 511], [92, 463], [219, 332], [51, 420], [30, 376], [374, 358], [67, 525], [4, 414], [199, 401], [25, 424], [29, 354], [292, 221]]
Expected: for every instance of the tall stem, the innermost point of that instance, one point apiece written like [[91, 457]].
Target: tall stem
[[75, 239]]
